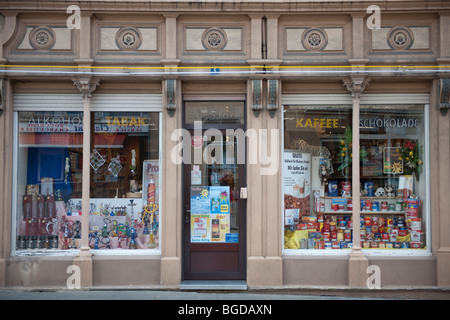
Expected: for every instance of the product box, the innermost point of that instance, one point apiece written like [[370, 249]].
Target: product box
[[416, 245], [346, 188], [332, 188]]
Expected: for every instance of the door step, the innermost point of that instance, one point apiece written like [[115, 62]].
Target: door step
[[213, 285]]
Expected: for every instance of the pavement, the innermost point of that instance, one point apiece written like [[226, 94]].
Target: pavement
[[187, 295]]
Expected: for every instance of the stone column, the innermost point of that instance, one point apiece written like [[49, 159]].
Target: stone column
[[358, 263], [171, 203], [86, 86]]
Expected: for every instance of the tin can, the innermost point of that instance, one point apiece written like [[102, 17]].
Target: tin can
[[340, 235], [327, 236], [333, 236], [366, 244], [416, 224], [374, 245], [362, 234], [391, 206], [367, 221], [303, 243], [363, 204], [335, 244], [384, 206], [322, 207], [405, 245], [321, 245], [347, 235], [392, 237], [349, 205], [381, 221], [326, 227], [389, 245], [328, 245], [381, 245], [377, 236], [385, 236], [334, 206], [400, 222], [375, 229], [376, 206], [397, 245], [350, 224], [398, 206], [341, 207], [390, 222], [332, 226], [375, 221], [342, 224], [368, 206], [342, 245]]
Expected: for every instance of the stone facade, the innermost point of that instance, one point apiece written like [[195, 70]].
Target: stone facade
[[219, 49]]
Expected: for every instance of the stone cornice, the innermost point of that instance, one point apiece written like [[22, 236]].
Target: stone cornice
[[229, 6]]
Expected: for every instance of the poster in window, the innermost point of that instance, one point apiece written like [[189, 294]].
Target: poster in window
[[392, 162], [150, 182], [297, 181]]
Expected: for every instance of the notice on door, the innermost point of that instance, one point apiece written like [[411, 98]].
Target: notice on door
[[210, 213]]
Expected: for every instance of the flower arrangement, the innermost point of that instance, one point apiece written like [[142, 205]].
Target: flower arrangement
[[345, 155], [411, 155]]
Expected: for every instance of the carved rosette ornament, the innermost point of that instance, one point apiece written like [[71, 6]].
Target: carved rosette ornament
[[214, 39], [42, 38], [314, 39]]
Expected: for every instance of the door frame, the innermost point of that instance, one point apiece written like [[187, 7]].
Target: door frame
[[241, 274]]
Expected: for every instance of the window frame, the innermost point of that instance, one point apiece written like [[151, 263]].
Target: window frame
[[28, 102], [370, 99]]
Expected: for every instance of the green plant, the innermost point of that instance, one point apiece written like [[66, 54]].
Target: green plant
[[411, 155], [345, 155]]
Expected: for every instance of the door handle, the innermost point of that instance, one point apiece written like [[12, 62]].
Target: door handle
[[243, 193], [187, 216]]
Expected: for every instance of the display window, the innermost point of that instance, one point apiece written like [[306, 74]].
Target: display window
[[49, 166], [124, 180], [317, 177]]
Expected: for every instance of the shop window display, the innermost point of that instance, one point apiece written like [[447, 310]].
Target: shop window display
[[124, 180], [48, 175], [317, 176]]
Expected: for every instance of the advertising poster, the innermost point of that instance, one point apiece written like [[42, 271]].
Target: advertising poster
[[210, 214], [297, 181], [150, 182], [392, 161]]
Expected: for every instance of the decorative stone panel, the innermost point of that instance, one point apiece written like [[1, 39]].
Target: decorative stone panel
[[213, 39], [45, 38], [128, 39], [401, 38], [313, 39]]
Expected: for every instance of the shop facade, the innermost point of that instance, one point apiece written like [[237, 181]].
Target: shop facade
[[275, 144]]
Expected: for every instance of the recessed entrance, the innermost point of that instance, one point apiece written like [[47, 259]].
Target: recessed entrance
[[214, 173]]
